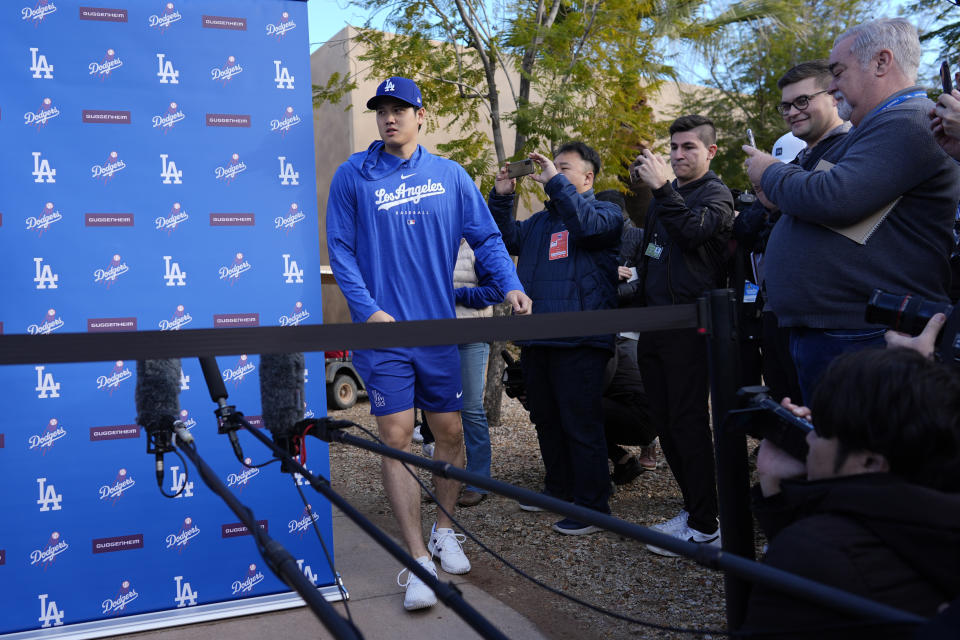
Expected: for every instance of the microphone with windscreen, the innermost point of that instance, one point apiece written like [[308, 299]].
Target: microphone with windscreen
[[158, 405], [282, 399]]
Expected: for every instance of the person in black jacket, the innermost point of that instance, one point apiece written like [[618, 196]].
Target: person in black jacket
[[878, 513], [567, 261], [684, 253]]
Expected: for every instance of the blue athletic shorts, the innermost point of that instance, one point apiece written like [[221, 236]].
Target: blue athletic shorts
[[399, 379]]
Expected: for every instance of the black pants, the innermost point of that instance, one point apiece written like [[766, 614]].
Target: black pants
[[779, 372], [626, 420], [564, 387], [673, 365]]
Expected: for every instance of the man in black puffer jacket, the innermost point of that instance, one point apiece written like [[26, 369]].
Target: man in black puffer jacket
[[567, 261], [683, 254]]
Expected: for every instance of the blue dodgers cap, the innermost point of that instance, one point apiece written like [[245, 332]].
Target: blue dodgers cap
[[403, 89]]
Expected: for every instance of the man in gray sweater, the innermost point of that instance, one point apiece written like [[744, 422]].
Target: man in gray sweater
[[876, 213]]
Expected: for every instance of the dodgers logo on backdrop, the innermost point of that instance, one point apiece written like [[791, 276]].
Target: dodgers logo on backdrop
[[179, 540], [166, 71], [403, 194], [174, 276], [168, 171], [119, 603], [45, 277], [114, 269], [304, 522], [307, 413], [116, 376], [243, 368], [186, 596], [243, 477], [179, 485], [283, 78], [290, 220], [288, 175], [46, 387], [298, 315], [231, 273], [285, 122], [39, 65], [168, 16], [50, 434], [172, 220], [235, 167], [166, 121], [42, 171], [280, 29], [41, 10], [249, 581], [185, 419], [106, 66], [50, 614], [113, 491], [109, 168], [227, 71], [184, 386], [292, 271], [45, 556], [49, 324], [48, 215], [42, 115], [179, 319], [49, 499], [307, 571]]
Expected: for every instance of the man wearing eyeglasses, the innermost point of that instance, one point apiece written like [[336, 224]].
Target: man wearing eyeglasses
[[875, 212], [811, 113]]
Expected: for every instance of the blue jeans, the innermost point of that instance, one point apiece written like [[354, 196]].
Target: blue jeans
[[814, 349], [476, 433]]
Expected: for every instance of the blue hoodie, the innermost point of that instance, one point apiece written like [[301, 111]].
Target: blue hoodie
[[394, 229]]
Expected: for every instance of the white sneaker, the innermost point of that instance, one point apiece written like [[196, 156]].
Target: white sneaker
[[446, 544], [418, 594], [674, 524], [690, 535], [427, 450], [417, 436]]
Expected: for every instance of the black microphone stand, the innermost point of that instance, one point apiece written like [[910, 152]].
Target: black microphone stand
[[329, 430], [448, 593], [280, 561]]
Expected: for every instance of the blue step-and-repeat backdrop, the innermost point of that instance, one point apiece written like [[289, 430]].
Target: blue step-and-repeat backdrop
[[158, 173]]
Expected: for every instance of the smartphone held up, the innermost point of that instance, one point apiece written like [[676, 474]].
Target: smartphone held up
[[520, 168]]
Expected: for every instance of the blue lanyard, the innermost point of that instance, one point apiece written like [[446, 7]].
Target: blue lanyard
[[892, 102]]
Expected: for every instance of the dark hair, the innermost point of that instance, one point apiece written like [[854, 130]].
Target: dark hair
[[614, 196], [688, 123], [584, 151], [897, 403], [818, 69]]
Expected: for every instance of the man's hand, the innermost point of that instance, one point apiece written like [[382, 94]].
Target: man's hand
[[925, 342], [773, 465], [625, 273], [521, 302], [505, 185], [651, 169], [547, 169], [945, 122], [381, 316], [757, 162]]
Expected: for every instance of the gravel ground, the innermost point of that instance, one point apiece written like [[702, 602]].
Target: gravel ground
[[603, 568]]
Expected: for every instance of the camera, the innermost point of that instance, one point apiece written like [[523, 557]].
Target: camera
[[908, 313], [763, 418]]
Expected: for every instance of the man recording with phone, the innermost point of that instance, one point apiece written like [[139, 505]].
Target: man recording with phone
[[874, 509], [567, 261], [683, 254]]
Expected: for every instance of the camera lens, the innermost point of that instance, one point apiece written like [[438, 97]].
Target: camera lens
[[907, 313]]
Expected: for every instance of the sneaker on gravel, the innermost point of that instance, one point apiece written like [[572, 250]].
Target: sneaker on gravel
[[417, 436], [571, 527], [427, 450], [648, 456], [690, 535], [533, 507], [674, 524], [628, 471], [446, 544], [418, 594]]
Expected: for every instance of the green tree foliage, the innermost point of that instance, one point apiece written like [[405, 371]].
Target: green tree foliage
[[745, 61]]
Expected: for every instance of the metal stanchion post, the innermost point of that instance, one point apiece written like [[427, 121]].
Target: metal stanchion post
[[718, 319]]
